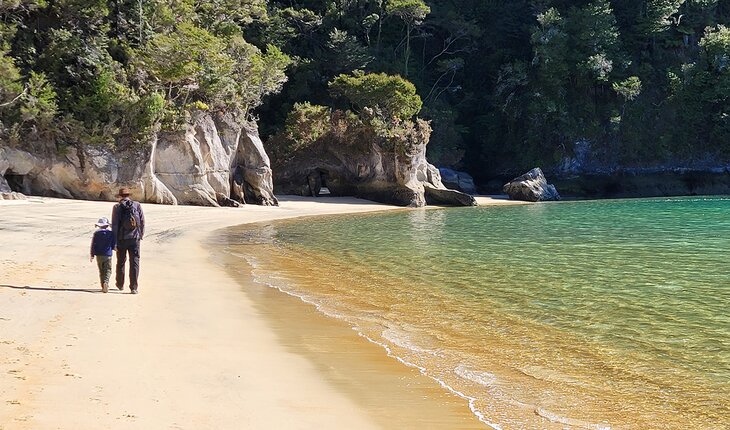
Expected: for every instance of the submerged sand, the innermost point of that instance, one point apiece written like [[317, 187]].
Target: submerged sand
[[192, 350]]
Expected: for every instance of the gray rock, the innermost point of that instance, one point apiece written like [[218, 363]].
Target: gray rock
[[579, 160], [4, 186], [456, 180], [357, 162], [226, 201], [444, 196], [531, 187], [255, 169], [192, 166], [12, 196]]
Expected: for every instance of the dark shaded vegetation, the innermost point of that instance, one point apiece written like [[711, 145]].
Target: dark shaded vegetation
[[506, 85]]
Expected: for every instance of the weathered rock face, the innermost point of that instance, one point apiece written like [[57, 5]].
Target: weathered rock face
[[460, 181], [194, 166], [531, 187], [357, 163], [252, 176], [12, 196]]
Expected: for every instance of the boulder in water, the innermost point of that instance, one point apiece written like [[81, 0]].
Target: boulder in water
[[531, 187]]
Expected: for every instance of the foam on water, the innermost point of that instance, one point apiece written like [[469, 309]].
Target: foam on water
[[570, 422], [482, 378], [405, 340]]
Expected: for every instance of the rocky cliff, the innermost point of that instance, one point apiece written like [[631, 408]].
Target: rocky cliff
[[211, 160], [354, 159]]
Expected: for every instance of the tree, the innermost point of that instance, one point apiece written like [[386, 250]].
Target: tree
[[629, 89], [392, 97], [412, 13], [346, 53]]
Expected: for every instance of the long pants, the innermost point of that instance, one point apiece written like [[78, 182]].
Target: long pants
[[105, 268], [131, 247]]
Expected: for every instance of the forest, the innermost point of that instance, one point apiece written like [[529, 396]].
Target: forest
[[506, 85]]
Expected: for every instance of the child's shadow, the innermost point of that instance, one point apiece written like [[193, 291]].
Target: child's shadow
[[74, 290]]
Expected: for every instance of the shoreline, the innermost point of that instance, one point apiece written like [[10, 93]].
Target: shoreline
[[396, 394], [179, 354]]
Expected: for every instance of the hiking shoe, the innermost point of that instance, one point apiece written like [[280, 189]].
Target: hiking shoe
[[104, 287]]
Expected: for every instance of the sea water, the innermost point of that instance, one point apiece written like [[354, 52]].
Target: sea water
[[598, 315]]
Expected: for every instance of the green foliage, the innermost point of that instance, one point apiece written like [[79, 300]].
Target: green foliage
[[98, 72], [411, 12], [39, 105], [193, 63], [391, 97], [188, 59], [659, 14], [148, 111], [226, 17], [305, 124], [10, 85], [702, 95], [716, 47], [629, 89], [346, 53], [310, 125], [505, 84]]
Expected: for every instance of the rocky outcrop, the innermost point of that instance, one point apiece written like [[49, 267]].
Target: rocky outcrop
[[460, 181], [4, 186], [193, 166], [12, 196], [531, 187], [252, 176], [353, 160]]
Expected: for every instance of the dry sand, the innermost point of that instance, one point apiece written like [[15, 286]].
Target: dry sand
[[192, 350]]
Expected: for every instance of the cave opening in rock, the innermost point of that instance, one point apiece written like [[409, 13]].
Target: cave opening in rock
[[323, 190], [16, 182]]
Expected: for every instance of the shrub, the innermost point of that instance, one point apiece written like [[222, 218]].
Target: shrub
[[305, 124], [391, 97]]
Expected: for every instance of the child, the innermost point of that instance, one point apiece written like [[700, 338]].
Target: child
[[102, 246]]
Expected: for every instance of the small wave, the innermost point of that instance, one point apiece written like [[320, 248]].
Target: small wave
[[249, 259], [569, 421], [266, 281], [666, 287], [482, 378], [279, 283], [549, 375], [472, 401], [404, 340]]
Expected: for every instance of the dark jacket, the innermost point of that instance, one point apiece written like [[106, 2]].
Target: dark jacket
[[103, 242], [119, 232]]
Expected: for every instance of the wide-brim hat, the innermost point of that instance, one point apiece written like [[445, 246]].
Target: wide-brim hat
[[103, 222], [123, 192]]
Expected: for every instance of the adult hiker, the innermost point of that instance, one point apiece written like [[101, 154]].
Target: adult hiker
[[128, 228]]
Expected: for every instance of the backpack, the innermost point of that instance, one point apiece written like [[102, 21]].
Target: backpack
[[127, 216]]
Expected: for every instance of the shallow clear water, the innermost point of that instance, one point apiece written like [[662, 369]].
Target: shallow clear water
[[605, 314]]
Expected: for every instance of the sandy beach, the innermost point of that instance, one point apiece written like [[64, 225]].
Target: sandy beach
[[192, 350]]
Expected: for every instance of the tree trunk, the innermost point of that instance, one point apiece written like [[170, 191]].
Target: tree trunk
[[380, 26], [408, 47]]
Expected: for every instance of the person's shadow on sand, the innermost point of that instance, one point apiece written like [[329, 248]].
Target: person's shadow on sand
[[74, 290]]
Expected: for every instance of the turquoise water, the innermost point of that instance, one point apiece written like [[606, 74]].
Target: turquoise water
[[604, 314]]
